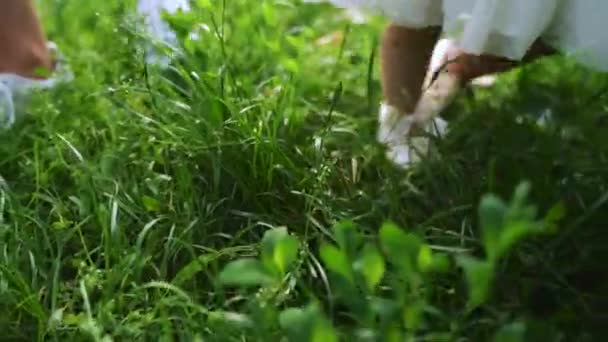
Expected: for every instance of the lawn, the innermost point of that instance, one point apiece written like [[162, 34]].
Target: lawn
[[239, 194]]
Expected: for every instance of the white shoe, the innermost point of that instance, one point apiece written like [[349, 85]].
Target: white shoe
[[394, 127], [14, 89], [394, 131], [439, 91]]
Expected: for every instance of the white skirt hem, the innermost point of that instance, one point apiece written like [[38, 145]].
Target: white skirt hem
[[505, 27]]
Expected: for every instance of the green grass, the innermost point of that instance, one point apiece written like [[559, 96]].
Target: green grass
[[129, 189]]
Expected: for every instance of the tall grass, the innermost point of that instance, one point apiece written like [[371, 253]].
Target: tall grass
[[127, 191]]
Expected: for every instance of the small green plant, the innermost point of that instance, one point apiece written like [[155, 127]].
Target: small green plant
[[385, 284], [278, 251], [502, 226]]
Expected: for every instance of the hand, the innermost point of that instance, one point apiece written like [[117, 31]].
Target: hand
[[467, 66]]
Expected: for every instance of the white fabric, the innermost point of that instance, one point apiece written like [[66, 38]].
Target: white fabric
[[152, 11], [506, 27]]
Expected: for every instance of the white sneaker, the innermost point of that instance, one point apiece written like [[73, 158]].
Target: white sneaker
[[439, 90], [14, 89], [394, 127], [394, 131]]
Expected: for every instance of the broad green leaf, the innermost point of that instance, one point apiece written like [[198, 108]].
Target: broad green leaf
[[519, 209], [270, 239], [296, 323], [75, 319], [502, 226], [441, 263], [279, 250], [291, 318], [348, 237], [400, 247], [520, 195], [384, 307], [270, 13], [337, 262], [553, 217], [307, 324], [425, 258], [285, 253], [492, 211], [556, 213], [513, 233], [429, 262], [323, 332], [413, 315], [151, 204], [205, 4], [514, 332], [291, 64], [55, 319], [245, 272], [479, 275], [394, 334], [371, 265]]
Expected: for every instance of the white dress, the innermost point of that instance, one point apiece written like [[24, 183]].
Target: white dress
[[506, 27], [152, 10], [157, 27]]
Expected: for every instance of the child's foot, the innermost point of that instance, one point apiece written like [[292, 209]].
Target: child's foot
[[398, 131], [406, 135], [15, 88]]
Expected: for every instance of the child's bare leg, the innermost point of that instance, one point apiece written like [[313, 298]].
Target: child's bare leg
[[405, 55], [23, 48]]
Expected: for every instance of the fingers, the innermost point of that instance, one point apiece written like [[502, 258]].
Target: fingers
[[469, 66]]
